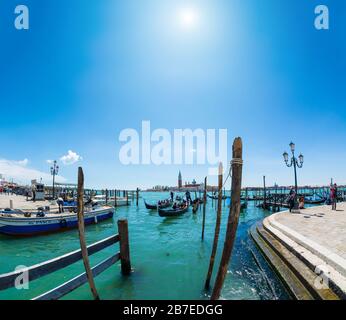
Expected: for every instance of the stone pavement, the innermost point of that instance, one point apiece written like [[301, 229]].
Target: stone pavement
[[317, 235], [320, 224], [19, 202]]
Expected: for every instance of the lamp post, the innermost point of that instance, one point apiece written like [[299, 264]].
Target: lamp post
[[295, 163], [54, 171]]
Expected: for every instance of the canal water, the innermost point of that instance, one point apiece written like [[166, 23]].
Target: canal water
[[169, 259]]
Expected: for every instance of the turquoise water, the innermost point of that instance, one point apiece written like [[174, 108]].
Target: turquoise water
[[168, 257]]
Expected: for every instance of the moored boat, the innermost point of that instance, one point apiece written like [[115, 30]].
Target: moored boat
[[35, 224], [173, 212], [243, 204], [216, 197], [314, 200], [120, 201], [164, 204]]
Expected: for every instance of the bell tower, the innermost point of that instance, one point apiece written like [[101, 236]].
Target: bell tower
[[180, 180]]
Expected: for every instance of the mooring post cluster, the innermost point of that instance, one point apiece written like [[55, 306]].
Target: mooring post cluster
[[233, 217]]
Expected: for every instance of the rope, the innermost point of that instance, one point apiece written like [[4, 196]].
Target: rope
[[237, 161]]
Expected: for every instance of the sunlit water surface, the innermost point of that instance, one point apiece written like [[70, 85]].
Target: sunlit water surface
[[169, 259]]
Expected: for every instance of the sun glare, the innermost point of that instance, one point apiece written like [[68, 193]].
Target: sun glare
[[188, 17]]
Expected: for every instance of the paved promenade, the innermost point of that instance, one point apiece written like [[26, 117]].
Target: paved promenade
[[318, 236], [19, 202]]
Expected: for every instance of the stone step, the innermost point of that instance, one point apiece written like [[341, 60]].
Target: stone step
[[335, 280], [294, 286], [312, 281]]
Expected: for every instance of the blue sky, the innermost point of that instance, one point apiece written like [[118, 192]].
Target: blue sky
[[84, 71]]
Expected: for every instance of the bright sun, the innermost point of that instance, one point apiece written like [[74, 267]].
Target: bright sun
[[188, 17]]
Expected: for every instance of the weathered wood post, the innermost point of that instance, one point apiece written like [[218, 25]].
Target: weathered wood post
[[217, 230], [124, 246], [204, 205], [233, 217], [81, 230], [127, 198], [115, 198], [264, 193], [137, 195], [106, 196]]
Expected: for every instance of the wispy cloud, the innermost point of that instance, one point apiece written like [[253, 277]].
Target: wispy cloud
[[23, 162], [19, 171], [70, 158]]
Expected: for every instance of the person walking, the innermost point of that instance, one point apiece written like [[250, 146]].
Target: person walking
[[34, 193], [291, 199]]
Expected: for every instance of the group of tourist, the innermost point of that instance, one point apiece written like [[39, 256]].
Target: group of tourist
[[180, 205], [333, 198], [6, 190], [163, 202]]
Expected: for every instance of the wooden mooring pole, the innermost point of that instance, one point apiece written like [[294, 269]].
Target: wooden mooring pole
[[264, 193], [137, 195], [124, 246], [81, 230], [233, 217], [204, 206], [217, 230], [115, 198]]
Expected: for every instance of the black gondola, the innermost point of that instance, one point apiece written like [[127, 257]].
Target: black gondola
[[173, 212], [154, 206], [216, 197], [315, 201], [243, 205], [200, 201]]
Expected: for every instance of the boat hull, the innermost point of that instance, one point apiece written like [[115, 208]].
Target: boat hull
[[14, 226], [172, 213], [154, 207]]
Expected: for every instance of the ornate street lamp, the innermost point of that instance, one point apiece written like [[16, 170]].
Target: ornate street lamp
[[295, 163], [54, 171]]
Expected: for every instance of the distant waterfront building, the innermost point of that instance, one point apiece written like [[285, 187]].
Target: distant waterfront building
[[194, 185], [180, 180]]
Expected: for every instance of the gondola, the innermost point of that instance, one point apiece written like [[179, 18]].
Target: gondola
[[173, 212], [243, 205], [154, 206], [315, 201], [200, 200], [216, 197]]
